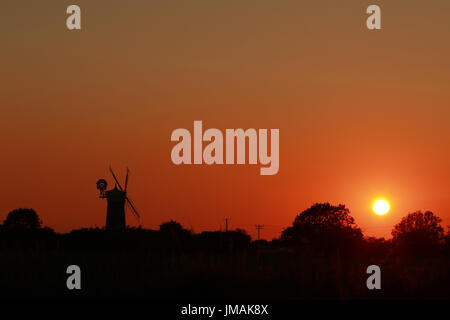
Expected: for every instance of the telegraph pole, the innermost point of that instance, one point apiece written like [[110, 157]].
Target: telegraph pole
[[226, 224], [259, 227]]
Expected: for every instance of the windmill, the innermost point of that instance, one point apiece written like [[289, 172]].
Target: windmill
[[116, 200]]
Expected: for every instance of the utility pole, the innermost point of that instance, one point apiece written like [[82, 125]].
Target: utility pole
[[226, 224], [259, 227]]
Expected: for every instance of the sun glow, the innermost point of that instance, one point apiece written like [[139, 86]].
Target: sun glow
[[381, 207]]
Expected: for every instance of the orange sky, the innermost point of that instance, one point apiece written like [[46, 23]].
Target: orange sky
[[362, 114]]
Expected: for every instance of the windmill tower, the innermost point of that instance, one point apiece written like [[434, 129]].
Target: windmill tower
[[116, 200]]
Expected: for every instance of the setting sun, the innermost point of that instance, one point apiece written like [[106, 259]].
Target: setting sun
[[381, 207]]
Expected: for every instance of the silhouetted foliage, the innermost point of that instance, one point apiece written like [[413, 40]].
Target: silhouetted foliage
[[425, 226], [376, 249], [173, 235], [447, 242], [323, 227], [101, 239], [322, 255], [171, 227], [418, 233], [22, 219], [220, 241]]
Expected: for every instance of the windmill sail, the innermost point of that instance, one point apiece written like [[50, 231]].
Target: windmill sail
[[132, 208], [126, 179], [114, 176]]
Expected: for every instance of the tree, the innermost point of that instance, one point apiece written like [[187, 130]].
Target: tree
[[323, 226], [171, 227], [22, 219], [173, 234], [418, 230]]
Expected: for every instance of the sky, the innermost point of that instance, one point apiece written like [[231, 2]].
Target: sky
[[362, 114]]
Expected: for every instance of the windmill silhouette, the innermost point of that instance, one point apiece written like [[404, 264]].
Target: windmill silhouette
[[116, 201]]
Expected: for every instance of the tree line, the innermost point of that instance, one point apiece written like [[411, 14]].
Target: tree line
[[323, 227]]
